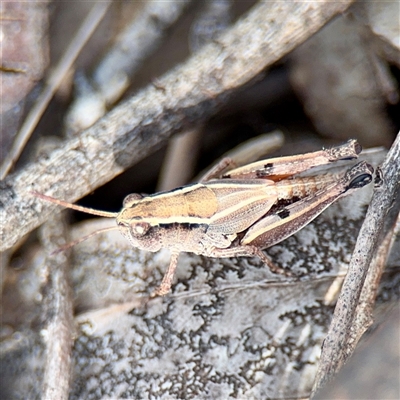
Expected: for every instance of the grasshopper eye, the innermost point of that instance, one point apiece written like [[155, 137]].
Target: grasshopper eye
[[360, 181], [139, 229], [360, 175], [131, 199]]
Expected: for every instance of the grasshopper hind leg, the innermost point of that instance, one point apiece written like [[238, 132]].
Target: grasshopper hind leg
[[283, 167], [249, 251]]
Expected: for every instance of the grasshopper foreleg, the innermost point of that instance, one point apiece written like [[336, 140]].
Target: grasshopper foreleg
[[248, 251], [166, 283]]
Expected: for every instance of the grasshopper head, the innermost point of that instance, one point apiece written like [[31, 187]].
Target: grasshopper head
[[139, 232]]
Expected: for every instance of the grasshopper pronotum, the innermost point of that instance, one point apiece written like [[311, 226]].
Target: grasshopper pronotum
[[241, 212]]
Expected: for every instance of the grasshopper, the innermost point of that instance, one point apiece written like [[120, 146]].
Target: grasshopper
[[236, 213]]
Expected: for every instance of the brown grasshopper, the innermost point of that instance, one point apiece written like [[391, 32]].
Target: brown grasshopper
[[242, 212]]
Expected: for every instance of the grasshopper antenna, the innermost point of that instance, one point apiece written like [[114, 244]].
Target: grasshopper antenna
[[83, 238], [87, 210]]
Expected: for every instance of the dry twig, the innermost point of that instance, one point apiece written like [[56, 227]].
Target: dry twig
[[54, 80], [381, 217], [114, 73], [57, 315], [184, 149]]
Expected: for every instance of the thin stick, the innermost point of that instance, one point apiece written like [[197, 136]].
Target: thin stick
[[53, 82], [337, 345], [87, 210], [56, 312], [184, 149], [181, 150]]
